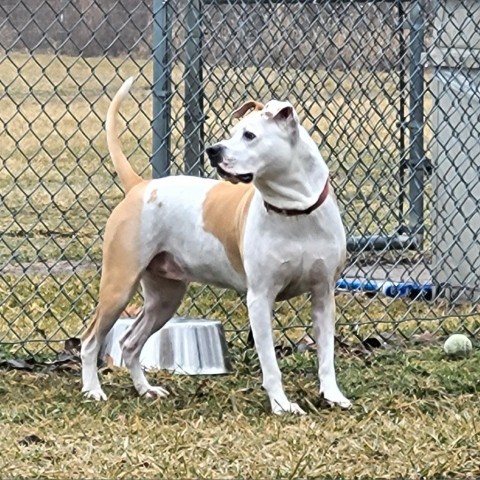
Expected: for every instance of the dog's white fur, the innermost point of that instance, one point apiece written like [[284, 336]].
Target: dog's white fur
[[170, 231]]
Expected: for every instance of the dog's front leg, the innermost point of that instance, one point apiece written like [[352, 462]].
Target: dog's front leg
[[323, 313], [260, 306]]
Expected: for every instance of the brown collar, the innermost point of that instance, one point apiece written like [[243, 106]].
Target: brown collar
[[292, 212]]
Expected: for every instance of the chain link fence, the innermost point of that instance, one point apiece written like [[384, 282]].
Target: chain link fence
[[389, 90]]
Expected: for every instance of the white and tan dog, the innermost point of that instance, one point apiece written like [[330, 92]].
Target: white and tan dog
[[274, 235]]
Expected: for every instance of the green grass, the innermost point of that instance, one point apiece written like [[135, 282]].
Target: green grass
[[415, 415]]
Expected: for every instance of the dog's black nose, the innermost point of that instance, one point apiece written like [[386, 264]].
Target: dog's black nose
[[214, 150], [215, 154]]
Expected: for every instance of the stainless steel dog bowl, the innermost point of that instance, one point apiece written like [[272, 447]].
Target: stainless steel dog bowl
[[186, 346]]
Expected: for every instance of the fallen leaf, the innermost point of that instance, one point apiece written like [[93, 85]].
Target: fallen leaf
[[19, 364], [29, 439], [424, 338], [72, 345], [305, 343], [371, 343], [283, 350]]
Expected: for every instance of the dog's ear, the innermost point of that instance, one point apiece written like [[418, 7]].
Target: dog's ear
[[281, 111], [284, 114], [247, 106]]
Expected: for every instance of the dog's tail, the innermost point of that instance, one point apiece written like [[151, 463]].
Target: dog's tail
[[124, 170]]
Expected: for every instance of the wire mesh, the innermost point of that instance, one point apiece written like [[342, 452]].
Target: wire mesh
[[389, 90]]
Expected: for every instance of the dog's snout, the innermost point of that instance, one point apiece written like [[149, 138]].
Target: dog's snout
[[215, 154], [214, 150]]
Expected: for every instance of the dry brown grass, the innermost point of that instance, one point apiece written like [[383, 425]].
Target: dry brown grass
[[415, 411], [56, 307], [58, 185], [415, 415], [57, 180]]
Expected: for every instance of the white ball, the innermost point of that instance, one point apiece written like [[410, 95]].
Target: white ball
[[457, 345]]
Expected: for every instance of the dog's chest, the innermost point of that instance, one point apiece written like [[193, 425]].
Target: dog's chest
[[300, 257], [300, 273]]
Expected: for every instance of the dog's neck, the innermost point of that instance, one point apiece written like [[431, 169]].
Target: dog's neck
[[298, 186]]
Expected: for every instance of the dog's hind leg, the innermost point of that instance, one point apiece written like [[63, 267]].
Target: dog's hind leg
[[121, 270], [323, 313], [162, 298], [114, 297]]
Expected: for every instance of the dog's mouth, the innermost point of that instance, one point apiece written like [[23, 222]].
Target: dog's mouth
[[241, 178]]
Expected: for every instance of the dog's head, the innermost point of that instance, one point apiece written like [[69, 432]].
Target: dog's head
[[260, 144]]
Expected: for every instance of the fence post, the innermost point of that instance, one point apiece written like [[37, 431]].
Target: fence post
[[402, 112], [194, 116], [161, 89], [416, 147]]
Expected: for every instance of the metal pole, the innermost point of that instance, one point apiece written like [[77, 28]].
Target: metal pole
[[416, 150], [402, 108], [194, 117], [380, 243], [161, 89]]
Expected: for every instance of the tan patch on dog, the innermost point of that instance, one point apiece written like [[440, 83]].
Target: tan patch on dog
[[153, 196], [121, 265], [224, 214]]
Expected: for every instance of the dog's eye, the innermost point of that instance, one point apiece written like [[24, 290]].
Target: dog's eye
[[249, 135]]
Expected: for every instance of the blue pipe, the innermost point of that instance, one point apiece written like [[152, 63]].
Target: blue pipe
[[411, 290]]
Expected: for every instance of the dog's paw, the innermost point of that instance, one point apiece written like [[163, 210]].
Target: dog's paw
[[287, 408], [97, 395], [337, 398], [155, 392]]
